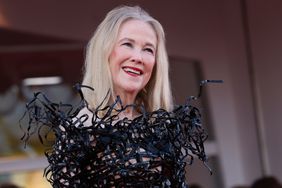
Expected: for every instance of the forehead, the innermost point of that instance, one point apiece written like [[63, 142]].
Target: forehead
[[137, 30]]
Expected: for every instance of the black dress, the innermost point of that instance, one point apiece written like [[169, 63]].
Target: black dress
[[149, 151]]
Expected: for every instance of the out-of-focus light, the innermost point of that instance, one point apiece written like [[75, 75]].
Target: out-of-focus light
[[52, 80], [3, 20]]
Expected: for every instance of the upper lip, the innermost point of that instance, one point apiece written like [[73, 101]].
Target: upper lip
[[134, 68]]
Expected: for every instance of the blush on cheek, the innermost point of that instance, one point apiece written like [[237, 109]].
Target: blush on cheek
[[112, 54]]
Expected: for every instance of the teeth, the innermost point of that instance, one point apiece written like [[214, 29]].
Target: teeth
[[127, 69]]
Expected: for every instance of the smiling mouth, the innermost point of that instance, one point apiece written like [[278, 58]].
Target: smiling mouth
[[132, 70]]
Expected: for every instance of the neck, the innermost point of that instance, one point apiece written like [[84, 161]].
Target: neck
[[129, 113], [128, 99]]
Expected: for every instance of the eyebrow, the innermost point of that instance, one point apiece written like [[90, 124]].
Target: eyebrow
[[131, 40]]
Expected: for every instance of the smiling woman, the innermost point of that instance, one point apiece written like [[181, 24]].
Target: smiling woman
[[126, 132], [132, 59], [128, 41]]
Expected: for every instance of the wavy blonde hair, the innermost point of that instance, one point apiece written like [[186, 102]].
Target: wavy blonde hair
[[156, 94]]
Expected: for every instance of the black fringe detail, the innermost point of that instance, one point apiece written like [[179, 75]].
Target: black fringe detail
[[149, 151]]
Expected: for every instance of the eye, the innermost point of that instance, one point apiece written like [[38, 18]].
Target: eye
[[150, 50], [128, 44]]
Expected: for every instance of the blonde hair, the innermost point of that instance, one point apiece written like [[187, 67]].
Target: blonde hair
[[156, 94]]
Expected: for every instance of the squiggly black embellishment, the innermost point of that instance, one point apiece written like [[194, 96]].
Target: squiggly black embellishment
[[150, 150]]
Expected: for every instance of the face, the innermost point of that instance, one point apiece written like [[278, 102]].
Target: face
[[133, 57]]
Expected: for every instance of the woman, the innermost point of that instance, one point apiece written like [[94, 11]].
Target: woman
[[126, 134], [126, 30]]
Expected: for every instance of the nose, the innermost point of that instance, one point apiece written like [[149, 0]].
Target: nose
[[137, 56]]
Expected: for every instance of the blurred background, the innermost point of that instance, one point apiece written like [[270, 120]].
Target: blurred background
[[238, 41]]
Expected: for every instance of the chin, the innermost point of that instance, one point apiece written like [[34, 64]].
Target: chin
[[132, 90]]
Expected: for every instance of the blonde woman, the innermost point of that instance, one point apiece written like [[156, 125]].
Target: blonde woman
[[126, 132], [155, 93]]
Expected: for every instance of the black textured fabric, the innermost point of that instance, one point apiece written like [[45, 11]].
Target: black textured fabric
[[150, 150]]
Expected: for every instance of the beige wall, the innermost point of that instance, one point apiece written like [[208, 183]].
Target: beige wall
[[266, 40]]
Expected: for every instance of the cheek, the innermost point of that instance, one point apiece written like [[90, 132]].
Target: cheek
[[150, 62], [113, 61], [112, 56], [118, 56]]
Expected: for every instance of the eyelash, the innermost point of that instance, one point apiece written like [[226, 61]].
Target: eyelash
[[149, 50], [146, 49], [127, 44]]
